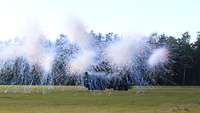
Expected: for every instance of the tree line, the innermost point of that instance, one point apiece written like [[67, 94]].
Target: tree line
[[183, 67]]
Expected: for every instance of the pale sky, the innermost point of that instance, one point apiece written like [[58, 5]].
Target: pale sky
[[172, 17]]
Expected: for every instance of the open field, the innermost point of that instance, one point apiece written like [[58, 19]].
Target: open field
[[37, 99]]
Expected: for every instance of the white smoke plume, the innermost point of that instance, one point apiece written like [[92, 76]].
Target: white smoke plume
[[31, 48], [10, 52], [121, 53], [77, 32], [82, 62], [159, 56], [47, 61]]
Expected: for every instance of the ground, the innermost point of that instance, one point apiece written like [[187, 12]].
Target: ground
[[65, 99]]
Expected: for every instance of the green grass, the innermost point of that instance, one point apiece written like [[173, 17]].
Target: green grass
[[38, 99]]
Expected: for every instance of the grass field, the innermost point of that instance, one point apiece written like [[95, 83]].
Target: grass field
[[37, 99]]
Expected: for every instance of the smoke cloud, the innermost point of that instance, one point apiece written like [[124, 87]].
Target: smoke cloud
[[159, 56], [77, 33], [31, 48], [123, 52]]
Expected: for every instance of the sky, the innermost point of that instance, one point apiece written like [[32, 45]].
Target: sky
[[172, 17]]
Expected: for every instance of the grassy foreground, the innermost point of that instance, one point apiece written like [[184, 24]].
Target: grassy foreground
[[38, 99]]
